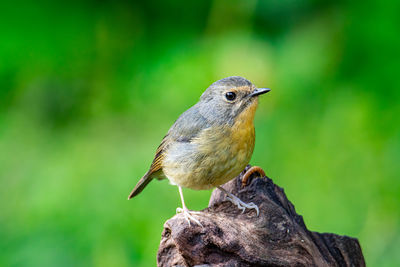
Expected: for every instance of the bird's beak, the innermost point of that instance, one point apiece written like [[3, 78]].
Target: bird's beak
[[259, 91]]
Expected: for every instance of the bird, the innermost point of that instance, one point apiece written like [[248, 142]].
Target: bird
[[210, 143]]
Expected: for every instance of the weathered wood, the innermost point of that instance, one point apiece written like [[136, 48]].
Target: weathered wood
[[277, 237]]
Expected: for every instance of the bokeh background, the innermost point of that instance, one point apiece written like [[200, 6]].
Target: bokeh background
[[89, 88]]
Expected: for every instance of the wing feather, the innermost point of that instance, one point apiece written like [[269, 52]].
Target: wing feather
[[156, 165], [185, 128]]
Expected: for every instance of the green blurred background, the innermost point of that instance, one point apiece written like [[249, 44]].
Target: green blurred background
[[89, 88]]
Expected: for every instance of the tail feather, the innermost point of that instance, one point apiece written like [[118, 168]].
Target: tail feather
[[140, 185]]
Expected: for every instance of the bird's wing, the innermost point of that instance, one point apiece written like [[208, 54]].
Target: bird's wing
[[185, 128], [188, 125], [156, 165]]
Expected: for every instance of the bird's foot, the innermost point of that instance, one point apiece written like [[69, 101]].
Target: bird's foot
[[188, 215], [241, 205]]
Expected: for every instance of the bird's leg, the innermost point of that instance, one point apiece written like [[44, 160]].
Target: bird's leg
[[240, 204], [185, 210]]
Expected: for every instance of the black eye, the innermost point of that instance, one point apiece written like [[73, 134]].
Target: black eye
[[230, 96]]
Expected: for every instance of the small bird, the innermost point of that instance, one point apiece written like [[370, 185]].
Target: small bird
[[210, 143]]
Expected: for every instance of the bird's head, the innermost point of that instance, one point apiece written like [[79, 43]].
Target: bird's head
[[226, 99]]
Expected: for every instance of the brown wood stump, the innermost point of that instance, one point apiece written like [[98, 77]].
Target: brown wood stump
[[277, 237]]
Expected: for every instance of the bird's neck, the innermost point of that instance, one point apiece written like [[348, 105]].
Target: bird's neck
[[246, 117]]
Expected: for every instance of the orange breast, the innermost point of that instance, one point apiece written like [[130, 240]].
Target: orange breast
[[243, 134], [217, 155]]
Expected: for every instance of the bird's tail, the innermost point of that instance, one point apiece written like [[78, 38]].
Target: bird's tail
[[140, 185]]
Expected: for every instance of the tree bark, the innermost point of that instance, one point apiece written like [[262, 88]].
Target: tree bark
[[277, 237]]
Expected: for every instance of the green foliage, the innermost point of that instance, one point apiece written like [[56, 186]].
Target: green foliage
[[88, 90]]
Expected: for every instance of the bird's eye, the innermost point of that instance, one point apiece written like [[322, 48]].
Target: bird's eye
[[230, 96]]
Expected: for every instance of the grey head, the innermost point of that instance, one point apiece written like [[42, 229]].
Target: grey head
[[225, 99]]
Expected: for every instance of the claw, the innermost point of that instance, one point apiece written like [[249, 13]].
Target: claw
[[240, 204], [188, 215], [185, 211]]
